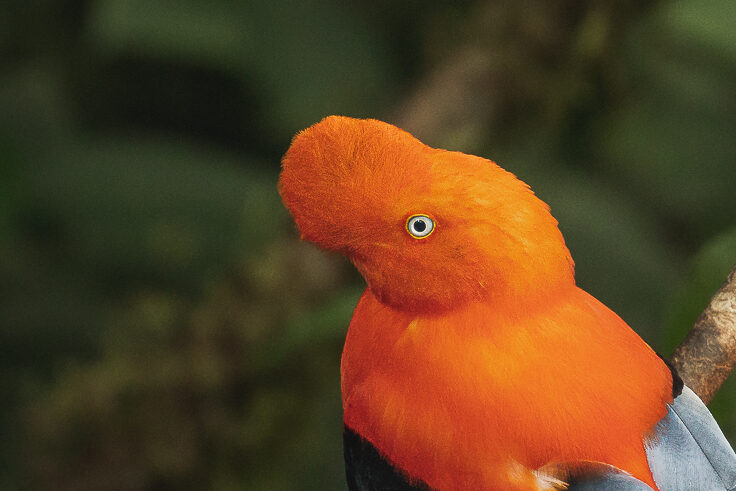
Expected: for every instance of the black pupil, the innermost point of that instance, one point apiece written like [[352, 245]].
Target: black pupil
[[420, 226]]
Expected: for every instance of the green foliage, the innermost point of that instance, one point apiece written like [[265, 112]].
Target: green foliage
[[671, 139], [708, 270], [301, 56], [163, 328], [218, 393]]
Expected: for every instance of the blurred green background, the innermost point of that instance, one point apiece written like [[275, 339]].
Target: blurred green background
[[161, 327]]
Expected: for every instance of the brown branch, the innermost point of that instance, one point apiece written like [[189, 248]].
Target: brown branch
[[707, 356]]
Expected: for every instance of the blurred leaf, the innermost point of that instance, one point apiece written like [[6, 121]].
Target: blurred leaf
[[308, 59], [204, 33], [35, 108], [321, 60], [324, 323], [708, 271], [707, 23], [155, 206], [9, 187], [673, 141]]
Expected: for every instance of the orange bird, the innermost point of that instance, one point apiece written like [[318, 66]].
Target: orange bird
[[473, 361]]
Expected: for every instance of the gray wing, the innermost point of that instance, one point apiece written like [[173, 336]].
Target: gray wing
[[688, 450], [610, 482], [597, 476]]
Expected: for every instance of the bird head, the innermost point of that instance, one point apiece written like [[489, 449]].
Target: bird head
[[428, 229]]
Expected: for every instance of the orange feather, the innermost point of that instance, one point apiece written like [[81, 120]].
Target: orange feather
[[472, 359]]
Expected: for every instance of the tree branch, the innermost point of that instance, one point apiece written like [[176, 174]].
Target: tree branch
[[707, 356]]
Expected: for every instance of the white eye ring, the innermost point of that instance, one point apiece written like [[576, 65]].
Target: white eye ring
[[419, 226]]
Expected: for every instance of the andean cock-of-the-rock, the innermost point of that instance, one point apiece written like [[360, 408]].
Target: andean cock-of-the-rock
[[473, 361]]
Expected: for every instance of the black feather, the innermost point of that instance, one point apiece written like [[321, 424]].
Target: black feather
[[366, 470], [677, 382]]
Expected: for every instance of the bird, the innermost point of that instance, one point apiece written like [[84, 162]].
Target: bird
[[473, 361]]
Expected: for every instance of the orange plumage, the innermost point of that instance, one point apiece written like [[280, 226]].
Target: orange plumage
[[472, 359]]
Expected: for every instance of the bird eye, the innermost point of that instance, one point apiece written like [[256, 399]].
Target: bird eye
[[419, 226]]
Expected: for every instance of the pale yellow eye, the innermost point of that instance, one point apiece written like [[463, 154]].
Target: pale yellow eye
[[419, 226]]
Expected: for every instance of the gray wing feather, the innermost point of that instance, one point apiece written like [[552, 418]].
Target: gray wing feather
[[610, 481], [688, 450], [594, 476]]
